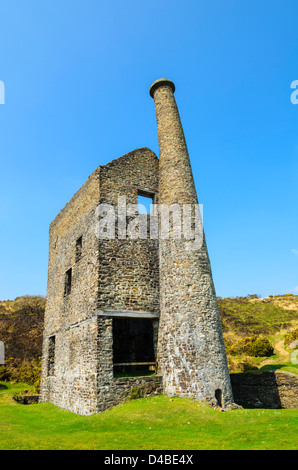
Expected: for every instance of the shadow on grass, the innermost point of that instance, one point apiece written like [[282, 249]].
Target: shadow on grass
[[3, 387], [271, 367]]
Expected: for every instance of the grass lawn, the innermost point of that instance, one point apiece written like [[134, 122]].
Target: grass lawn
[[156, 423]]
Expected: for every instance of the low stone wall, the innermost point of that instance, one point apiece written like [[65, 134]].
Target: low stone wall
[[270, 389], [121, 388]]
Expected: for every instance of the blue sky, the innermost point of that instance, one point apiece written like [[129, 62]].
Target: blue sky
[[77, 75]]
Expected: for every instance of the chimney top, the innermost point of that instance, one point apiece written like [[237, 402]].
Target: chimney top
[[159, 83]]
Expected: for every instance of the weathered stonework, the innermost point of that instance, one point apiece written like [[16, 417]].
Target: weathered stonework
[[128, 273], [191, 352], [270, 389], [106, 276], [98, 286]]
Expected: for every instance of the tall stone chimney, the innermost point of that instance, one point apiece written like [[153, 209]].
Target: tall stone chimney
[[191, 353]]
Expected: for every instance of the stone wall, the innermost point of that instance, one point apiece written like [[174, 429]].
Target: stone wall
[[270, 389], [87, 275], [74, 359], [73, 384], [123, 386], [76, 220], [129, 268]]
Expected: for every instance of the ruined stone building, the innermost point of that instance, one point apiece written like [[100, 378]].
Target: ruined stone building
[[121, 307]]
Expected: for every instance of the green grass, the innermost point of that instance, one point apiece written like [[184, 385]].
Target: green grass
[[156, 423], [288, 367]]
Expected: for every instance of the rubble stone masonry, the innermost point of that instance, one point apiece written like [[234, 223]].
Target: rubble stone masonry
[[106, 275], [191, 352], [93, 281]]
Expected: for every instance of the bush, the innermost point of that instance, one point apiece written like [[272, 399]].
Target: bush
[[261, 347], [26, 372], [290, 337], [255, 347], [4, 374]]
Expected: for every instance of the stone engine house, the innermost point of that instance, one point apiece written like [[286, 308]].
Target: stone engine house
[[119, 308]]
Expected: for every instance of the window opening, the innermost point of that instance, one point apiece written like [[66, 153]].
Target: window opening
[[79, 244], [68, 276], [145, 202], [51, 356]]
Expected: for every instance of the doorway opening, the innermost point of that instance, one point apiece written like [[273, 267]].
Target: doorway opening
[[218, 396], [133, 347]]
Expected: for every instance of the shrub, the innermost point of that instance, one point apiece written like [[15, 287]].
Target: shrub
[[26, 372], [4, 374], [290, 337], [261, 347], [255, 347], [135, 393]]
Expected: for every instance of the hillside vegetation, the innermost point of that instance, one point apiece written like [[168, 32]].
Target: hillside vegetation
[[21, 328], [254, 316], [272, 320]]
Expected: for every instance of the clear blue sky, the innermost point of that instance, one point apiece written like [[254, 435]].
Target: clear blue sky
[[77, 75]]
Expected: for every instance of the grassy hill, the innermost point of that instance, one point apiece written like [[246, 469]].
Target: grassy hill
[[21, 326], [273, 318], [255, 316], [148, 423]]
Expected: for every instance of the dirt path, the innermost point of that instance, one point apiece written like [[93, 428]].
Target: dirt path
[[283, 355]]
